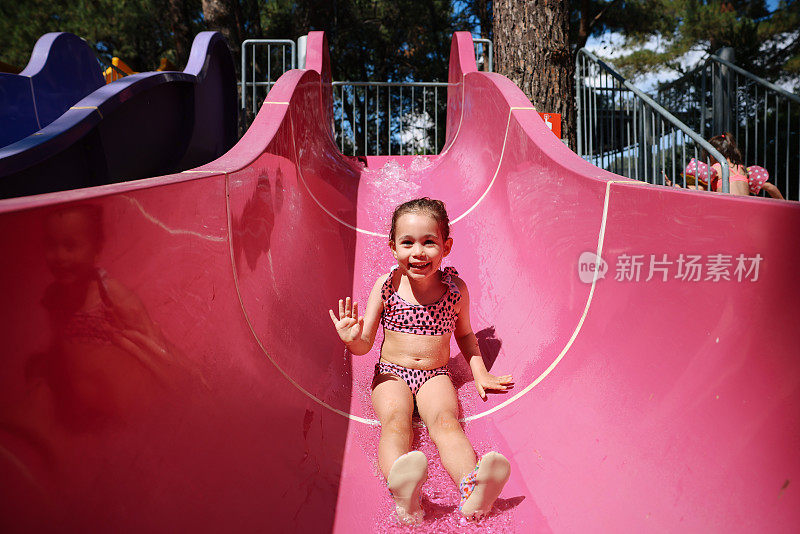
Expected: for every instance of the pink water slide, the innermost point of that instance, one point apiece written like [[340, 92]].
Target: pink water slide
[[169, 364]]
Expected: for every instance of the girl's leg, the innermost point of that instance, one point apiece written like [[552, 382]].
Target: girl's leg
[[405, 471], [438, 407], [394, 407]]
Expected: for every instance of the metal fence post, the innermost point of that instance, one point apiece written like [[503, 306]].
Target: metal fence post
[[722, 101], [301, 51], [578, 82]]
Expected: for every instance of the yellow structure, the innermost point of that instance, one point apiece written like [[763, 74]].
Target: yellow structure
[[112, 73]]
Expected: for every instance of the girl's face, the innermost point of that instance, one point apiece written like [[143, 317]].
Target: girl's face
[[69, 249], [419, 246]]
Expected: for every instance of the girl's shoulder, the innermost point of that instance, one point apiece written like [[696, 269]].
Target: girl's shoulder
[[461, 285], [450, 277], [382, 280], [383, 285]]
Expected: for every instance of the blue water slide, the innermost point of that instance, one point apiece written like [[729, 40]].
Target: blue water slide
[[62, 70], [143, 125]]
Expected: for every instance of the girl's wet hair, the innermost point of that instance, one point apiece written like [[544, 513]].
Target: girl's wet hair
[[429, 206], [726, 145]]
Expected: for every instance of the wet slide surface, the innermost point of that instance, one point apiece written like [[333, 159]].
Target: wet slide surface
[[169, 362]]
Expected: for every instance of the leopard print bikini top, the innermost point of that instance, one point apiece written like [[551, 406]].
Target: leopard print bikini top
[[434, 319]]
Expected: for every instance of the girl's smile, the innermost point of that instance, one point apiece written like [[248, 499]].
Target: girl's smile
[[419, 246]]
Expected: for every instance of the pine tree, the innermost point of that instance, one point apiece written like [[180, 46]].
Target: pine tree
[[765, 43], [135, 30]]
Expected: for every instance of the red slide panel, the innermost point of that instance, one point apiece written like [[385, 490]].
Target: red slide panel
[[169, 363]]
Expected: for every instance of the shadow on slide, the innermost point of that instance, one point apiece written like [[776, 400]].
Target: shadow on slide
[[169, 362], [143, 125]]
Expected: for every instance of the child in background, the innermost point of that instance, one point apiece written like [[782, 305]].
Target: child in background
[[420, 307], [743, 181]]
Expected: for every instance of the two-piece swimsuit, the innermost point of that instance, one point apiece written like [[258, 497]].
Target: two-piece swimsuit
[[94, 324], [434, 319], [736, 173]]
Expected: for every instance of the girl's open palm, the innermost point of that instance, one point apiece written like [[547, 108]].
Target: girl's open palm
[[496, 384], [348, 325]]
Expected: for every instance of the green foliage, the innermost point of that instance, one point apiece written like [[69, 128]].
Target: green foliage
[[766, 43], [378, 39], [135, 30], [371, 39]]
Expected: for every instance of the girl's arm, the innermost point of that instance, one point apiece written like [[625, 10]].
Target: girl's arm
[[468, 343], [358, 331], [772, 190]]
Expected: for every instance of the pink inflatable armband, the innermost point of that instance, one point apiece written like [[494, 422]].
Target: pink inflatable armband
[[699, 171], [757, 176]]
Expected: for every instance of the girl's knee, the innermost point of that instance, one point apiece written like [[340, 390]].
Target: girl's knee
[[444, 423], [397, 424]]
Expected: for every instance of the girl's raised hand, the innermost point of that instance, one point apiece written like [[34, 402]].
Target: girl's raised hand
[[349, 325]]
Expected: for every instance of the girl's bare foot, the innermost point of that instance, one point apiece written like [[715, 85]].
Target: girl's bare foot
[[481, 488], [405, 480]]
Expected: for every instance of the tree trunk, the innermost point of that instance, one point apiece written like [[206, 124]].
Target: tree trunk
[[225, 16], [179, 26], [531, 40]]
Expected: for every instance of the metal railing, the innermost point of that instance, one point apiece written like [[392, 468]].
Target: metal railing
[[268, 61], [386, 118], [719, 97], [396, 118], [623, 130], [370, 118]]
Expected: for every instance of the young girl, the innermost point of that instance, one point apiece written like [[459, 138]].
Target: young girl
[[743, 181], [420, 307]]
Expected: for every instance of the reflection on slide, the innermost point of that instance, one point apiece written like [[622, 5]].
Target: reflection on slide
[[169, 363]]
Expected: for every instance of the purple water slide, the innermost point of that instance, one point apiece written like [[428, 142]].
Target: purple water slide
[[61, 71], [143, 125], [169, 362]]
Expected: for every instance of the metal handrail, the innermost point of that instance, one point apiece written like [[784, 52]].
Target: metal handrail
[[104, 66], [719, 96], [762, 81], [745, 73], [643, 97], [117, 70]]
